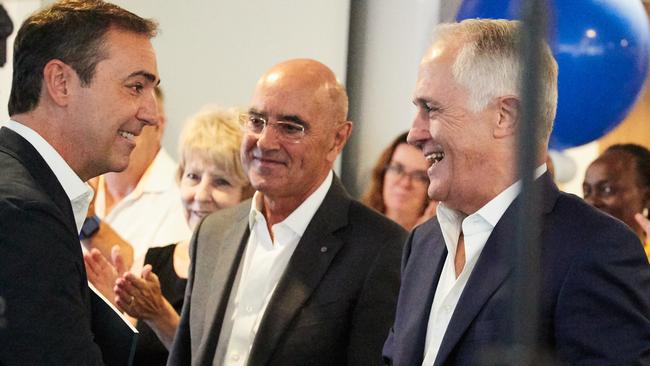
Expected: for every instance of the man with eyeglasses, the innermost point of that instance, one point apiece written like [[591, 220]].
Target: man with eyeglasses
[[301, 274]]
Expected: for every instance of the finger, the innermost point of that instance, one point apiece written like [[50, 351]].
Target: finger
[[121, 291], [100, 261], [152, 277], [118, 260], [136, 282], [146, 270], [125, 286], [89, 262], [90, 272], [122, 301], [644, 222]]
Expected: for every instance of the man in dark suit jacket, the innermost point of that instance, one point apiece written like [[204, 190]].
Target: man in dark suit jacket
[[457, 277], [83, 81], [330, 297]]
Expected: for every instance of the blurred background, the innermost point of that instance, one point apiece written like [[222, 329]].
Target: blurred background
[[213, 51]]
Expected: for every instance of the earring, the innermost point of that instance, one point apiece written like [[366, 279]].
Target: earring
[[644, 212]]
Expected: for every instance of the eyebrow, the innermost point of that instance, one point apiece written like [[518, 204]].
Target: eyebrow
[[293, 118], [147, 75], [287, 118], [423, 101]]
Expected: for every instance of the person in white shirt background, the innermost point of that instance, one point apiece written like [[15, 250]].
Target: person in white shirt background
[[210, 178]]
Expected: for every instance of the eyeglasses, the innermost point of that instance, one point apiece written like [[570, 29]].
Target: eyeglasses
[[286, 130], [419, 176]]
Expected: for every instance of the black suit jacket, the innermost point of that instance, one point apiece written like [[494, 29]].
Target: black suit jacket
[[42, 275], [595, 290], [332, 306]]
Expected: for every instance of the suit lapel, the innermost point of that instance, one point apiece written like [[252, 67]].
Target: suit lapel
[[304, 271], [492, 268], [228, 259], [424, 266], [20, 149]]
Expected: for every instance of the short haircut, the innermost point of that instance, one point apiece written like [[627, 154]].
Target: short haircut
[[73, 31], [215, 135], [488, 65], [641, 157]]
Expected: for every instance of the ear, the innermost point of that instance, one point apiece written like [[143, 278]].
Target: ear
[[341, 136], [646, 198], [508, 116], [57, 81], [162, 117]]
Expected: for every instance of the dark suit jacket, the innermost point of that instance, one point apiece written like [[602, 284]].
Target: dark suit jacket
[[332, 306], [42, 275], [595, 290]]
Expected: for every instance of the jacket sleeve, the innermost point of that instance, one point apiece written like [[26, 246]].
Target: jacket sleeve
[[375, 310], [602, 314], [181, 351], [45, 291]]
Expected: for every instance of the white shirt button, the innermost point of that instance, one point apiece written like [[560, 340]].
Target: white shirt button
[[235, 357], [249, 309], [446, 308]]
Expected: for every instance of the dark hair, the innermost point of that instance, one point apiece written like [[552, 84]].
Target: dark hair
[[641, 159], [72, 31], [374, 196]]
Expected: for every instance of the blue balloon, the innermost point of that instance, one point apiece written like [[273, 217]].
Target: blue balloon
[[602, 49]]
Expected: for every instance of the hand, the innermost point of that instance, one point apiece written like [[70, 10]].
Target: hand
[[644, 222], [140, 297], [101, 273]]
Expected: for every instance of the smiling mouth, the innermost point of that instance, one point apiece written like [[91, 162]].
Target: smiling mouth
[[200, 213], [435, 157], [127, 135]]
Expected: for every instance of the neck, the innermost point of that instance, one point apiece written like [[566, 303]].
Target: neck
[[277, 210], [121, 184], [46, 122]]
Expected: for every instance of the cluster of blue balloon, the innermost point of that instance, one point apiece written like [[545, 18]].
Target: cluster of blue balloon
[[602, 49]]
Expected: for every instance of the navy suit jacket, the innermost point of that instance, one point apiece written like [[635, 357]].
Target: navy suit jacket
[[46, 317], [594, 300]]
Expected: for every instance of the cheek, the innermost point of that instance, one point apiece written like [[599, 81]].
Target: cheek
[[389, 184], [187, 194], [224, 199]]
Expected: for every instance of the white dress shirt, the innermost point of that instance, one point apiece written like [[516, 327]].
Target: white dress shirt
[[264, 263], [152, 214], [476, 229], [79, 193]]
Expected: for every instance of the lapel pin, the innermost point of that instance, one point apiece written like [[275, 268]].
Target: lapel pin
[[323, 249]]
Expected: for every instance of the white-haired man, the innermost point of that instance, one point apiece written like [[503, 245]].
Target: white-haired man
[[456, 269]]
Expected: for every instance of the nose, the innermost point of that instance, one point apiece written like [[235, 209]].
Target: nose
[[419, 131], [148, 110], [405, 179], [594, 200], [267, 139], [203, 192]]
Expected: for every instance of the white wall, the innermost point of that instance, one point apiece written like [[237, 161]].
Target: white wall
[[387, 40]]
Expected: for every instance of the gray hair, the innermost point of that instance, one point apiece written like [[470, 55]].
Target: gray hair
[[487, 64]]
